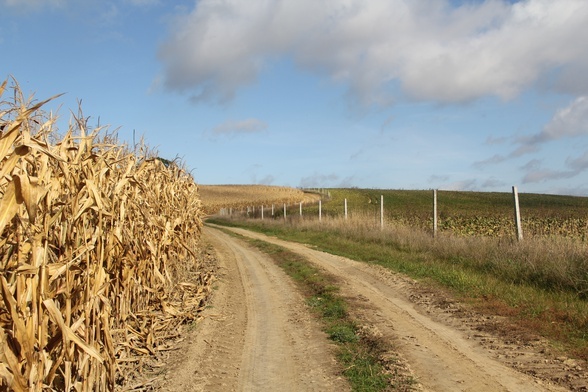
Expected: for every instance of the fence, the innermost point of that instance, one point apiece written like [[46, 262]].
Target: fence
[[285, 211]]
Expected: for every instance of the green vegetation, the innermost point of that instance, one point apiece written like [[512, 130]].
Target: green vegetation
[[540, 284], [462, 213], [360, 354]]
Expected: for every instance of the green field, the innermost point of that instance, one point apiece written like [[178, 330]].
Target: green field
[[464, 213]]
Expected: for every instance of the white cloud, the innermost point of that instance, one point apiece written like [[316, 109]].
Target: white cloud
[[578, 164], [567, 122], [570, 121], [24, 5], [536, 173], [231, 127], [495, 159], [428, 49]]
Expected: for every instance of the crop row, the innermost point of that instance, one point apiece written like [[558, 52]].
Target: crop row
[[93, 240]]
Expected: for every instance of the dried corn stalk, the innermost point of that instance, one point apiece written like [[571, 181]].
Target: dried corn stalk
[[91, 237]]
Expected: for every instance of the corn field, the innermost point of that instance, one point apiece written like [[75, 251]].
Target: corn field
[[94, 240], [216, 197]]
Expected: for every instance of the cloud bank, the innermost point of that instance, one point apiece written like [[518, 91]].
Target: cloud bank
[[381, 49]]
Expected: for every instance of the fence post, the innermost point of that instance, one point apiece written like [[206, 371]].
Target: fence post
[[515, 196], [272, 210], [320, 210], [381, 212], [434, 213], [262, 212], [300, 208], [345, 208], [284, 211]]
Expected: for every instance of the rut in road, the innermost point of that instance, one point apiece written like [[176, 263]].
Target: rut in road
[[258, 334], [442, 357]]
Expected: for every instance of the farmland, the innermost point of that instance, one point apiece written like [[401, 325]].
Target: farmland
[[459, 213], [101, 254], [540, 283], [238, 197]]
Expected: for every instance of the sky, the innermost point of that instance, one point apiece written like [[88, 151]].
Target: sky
[[397, 94]]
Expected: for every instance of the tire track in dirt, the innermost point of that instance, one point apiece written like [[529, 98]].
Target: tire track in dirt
[[442, 357], [258, 334]]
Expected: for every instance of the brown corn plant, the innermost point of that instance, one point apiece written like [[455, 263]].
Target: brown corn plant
[[92, 237]]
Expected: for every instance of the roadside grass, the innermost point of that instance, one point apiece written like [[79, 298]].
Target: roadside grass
[[359, 354], [539, 286]]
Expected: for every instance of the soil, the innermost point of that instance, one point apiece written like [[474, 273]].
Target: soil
[[259, 336]]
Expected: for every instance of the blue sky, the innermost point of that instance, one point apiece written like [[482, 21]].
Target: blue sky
[[410, 94]]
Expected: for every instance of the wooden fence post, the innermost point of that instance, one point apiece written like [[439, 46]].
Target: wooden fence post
[[381, 212], [320, 210], [434, 213], [515, 196], [284, 211], [262, 212]]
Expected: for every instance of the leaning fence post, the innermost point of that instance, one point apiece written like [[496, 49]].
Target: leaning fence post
[[515, 196], [434, 213]]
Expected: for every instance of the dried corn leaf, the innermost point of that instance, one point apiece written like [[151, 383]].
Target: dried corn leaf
[[9, 205], [67, 332], [11, 162], [30, 193]]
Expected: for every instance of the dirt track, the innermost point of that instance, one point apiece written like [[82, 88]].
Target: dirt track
[[259, 337]]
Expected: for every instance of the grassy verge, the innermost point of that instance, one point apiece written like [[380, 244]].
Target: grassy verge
[[360, 354], [496, 278]]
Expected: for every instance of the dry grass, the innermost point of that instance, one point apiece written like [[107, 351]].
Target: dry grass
[[554, 263], [92, 241]]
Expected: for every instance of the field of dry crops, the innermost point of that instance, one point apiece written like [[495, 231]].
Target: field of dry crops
[[95, 243], [237, 197]]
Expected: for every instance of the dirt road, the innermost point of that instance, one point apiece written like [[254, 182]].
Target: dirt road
[[259, 336]]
